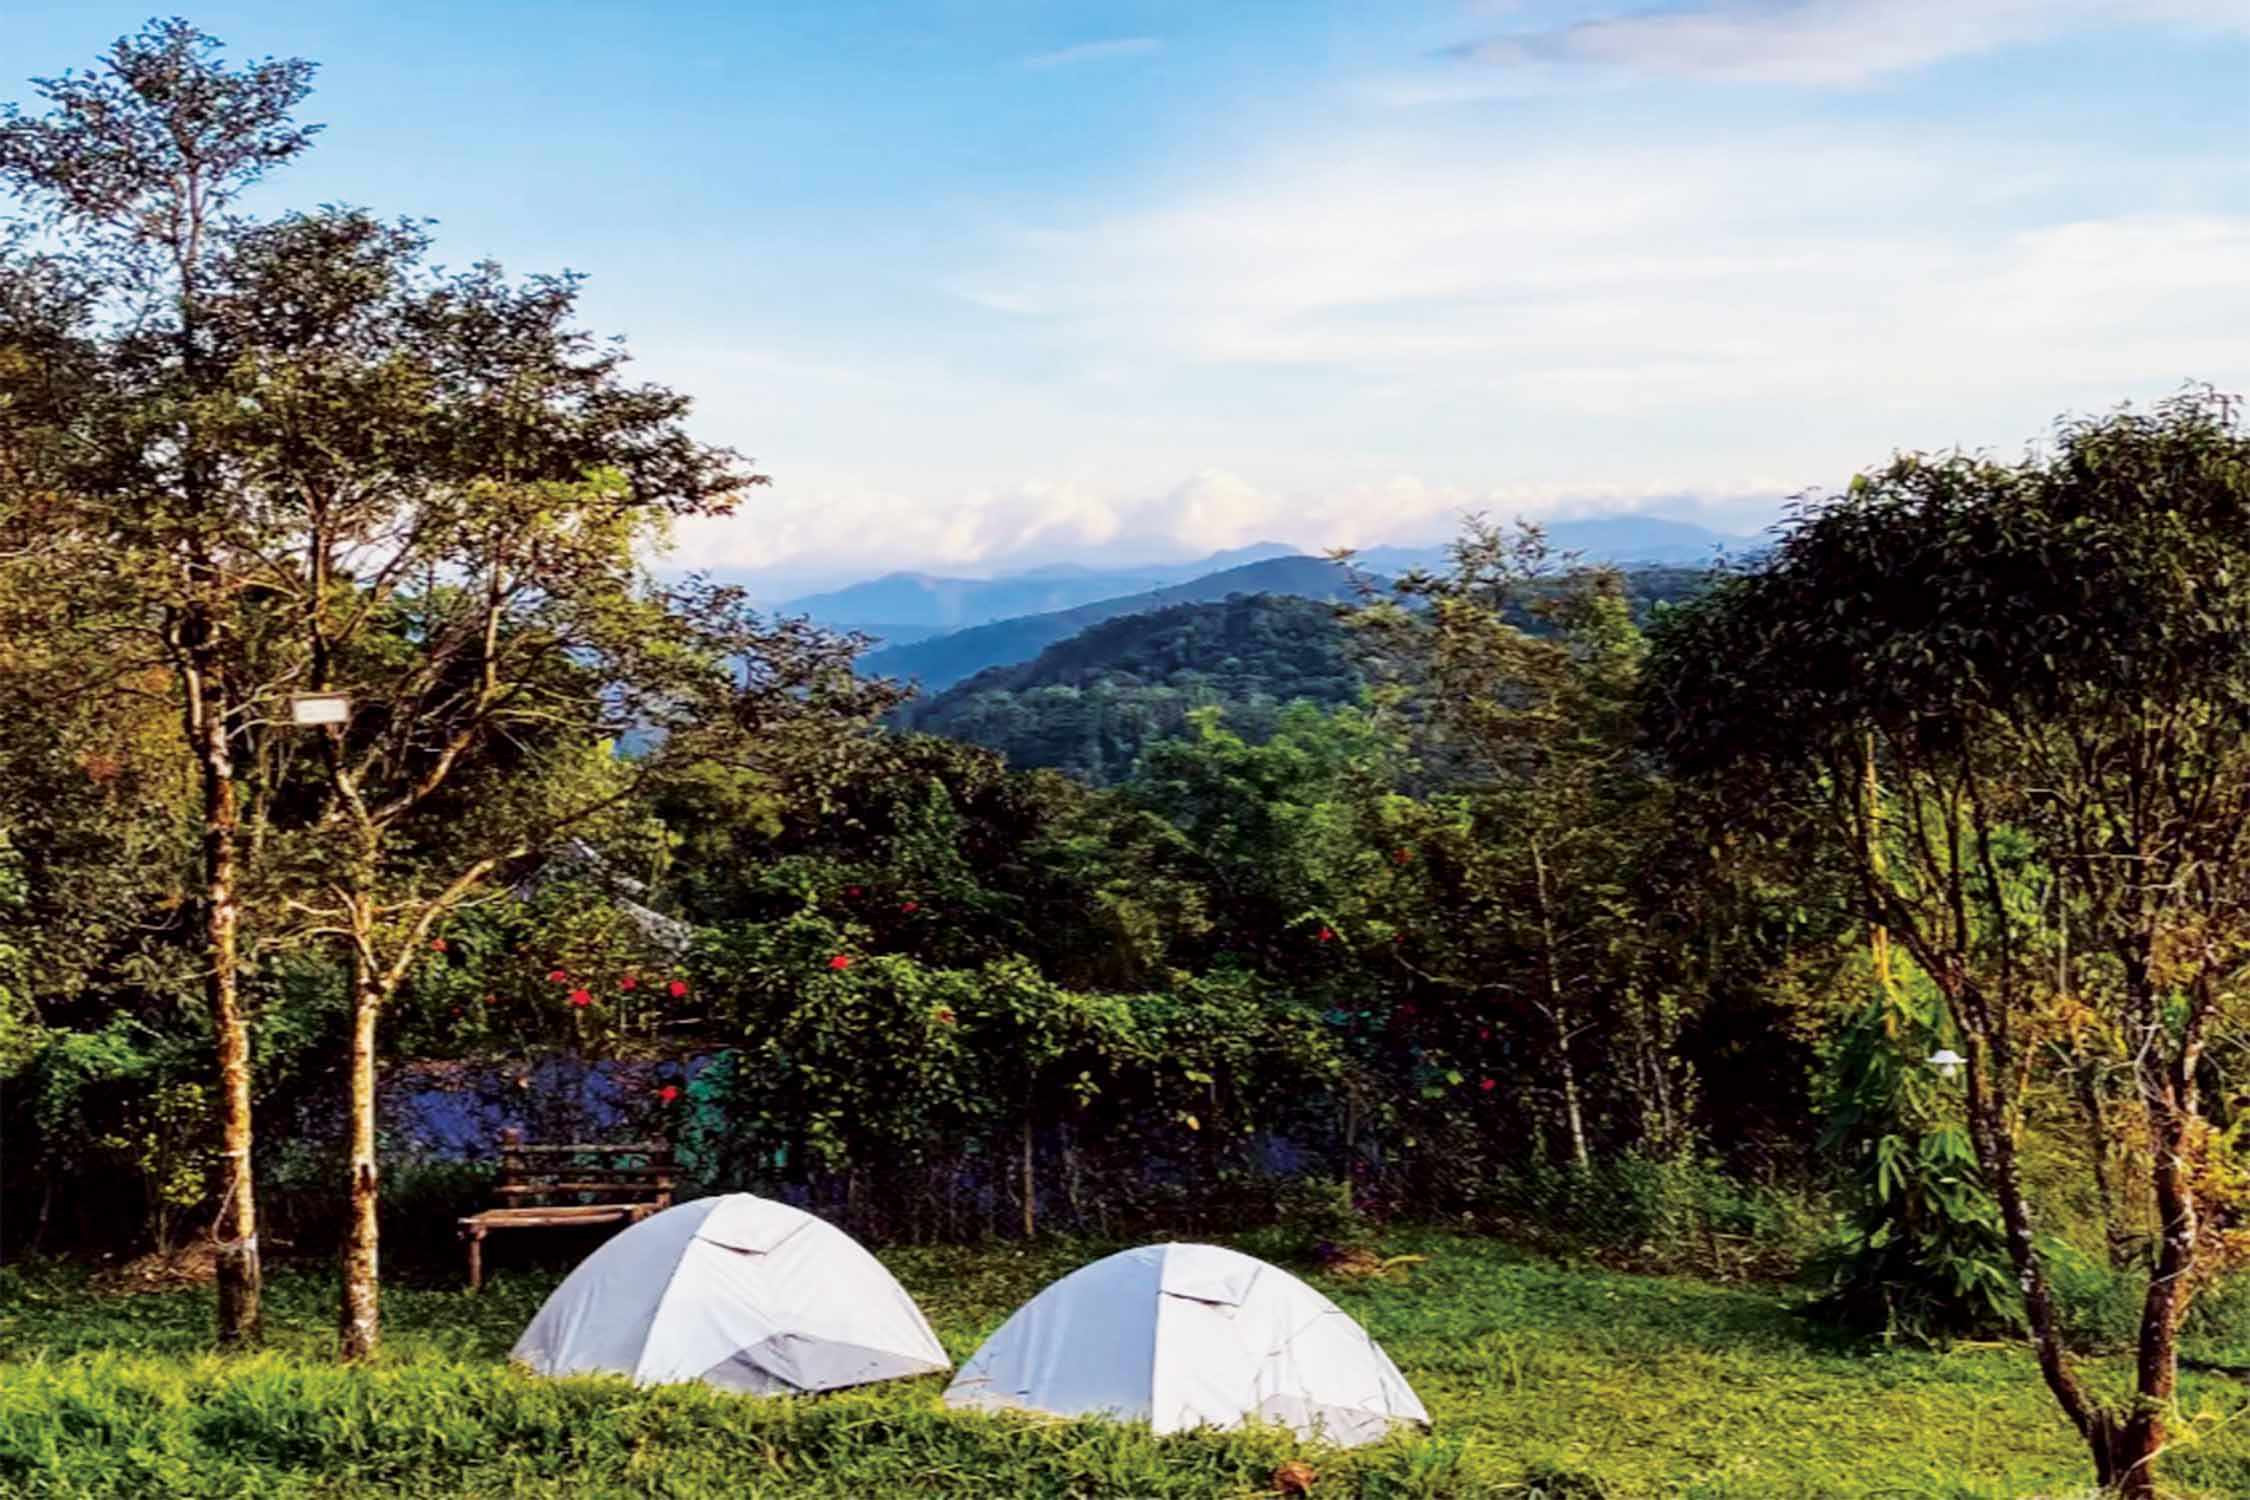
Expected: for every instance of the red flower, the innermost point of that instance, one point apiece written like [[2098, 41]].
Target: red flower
[[1484, 1033], [910, 906], [557, 976], [943, 1015], [840, 961], [1326, 935], [678, 987], [580, 997], [1403, 855], [851, 890], [667, 1094], [489, 1000], [628, 982], [437, 945], [1487, 1085], [457, 1010]]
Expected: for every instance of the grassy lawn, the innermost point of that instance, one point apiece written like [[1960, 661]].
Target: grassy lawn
[[1543, 1380]]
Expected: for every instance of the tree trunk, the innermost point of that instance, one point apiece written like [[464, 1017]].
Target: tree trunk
[[2169, 1094], [235, 1227], [1030, 1185], [1565, 1066], [360, 1323]]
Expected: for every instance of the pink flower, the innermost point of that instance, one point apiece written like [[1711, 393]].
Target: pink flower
[[1487, 1085], [628, 982], [910, 906], [580, 997], [437, 945], [557, 976], [677, 987], [1327, 935], [840, 961]]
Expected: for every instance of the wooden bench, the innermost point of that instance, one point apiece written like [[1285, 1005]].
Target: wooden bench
[[568, 1187]]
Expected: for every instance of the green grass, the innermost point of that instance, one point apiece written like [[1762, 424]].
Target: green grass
[[1544, 1380]]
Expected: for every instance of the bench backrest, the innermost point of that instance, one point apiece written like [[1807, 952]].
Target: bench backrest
[[620, 1172]]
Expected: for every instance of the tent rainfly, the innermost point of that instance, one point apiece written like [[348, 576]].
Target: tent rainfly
[[734, 1291], [1187, 1336]]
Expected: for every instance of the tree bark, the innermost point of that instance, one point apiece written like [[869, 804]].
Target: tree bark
[[235, 1228], [361, 1324], [1030, 1185], [1565, 1066]]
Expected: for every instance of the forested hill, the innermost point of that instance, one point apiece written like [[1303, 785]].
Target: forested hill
[[1088, 704], [947, 659]]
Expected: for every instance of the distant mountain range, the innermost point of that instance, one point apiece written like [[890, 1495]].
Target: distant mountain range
[[1017, 617], [899, 607], [1091, 703], [905, 608], [1628, 541], [943, 660]]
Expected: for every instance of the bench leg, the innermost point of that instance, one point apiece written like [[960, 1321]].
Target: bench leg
[[475, 1238]]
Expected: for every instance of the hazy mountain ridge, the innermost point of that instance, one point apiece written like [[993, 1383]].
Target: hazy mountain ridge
[[947, 659], [942, 660], [907, 600]]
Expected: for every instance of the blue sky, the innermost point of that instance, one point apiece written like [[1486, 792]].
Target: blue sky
[[984, 284]]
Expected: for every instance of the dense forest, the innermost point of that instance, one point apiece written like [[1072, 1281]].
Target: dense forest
[[1089, 705], [1537, 909]]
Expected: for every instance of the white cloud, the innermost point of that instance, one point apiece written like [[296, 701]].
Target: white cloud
[[1124, 46], [1824, 41], [1701, 276], [1736, 317], [864, 531]]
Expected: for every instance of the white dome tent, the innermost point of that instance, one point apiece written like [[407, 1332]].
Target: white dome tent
[[735, 1291], [1185, 1336]]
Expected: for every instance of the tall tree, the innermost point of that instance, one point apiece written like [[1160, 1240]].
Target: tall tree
[[136, 165], [2051, 660], [1519, 670], [459, 483]]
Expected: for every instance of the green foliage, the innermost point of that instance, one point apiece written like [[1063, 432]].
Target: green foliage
[[1921, 1250]]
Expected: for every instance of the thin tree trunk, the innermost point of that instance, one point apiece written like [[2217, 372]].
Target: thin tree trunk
[[360, 1323], [1996, 1153], [1030, 1185], [2173, 1108], [235, 1228], [1565, 1066]]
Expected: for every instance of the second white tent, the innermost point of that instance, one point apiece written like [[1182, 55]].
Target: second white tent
[[1185, 1336]]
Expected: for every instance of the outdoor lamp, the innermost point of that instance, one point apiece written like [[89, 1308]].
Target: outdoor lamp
[[1946, 1061]]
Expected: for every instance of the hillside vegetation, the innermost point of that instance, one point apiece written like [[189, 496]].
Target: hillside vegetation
[[1089, 704], [939, 663]]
